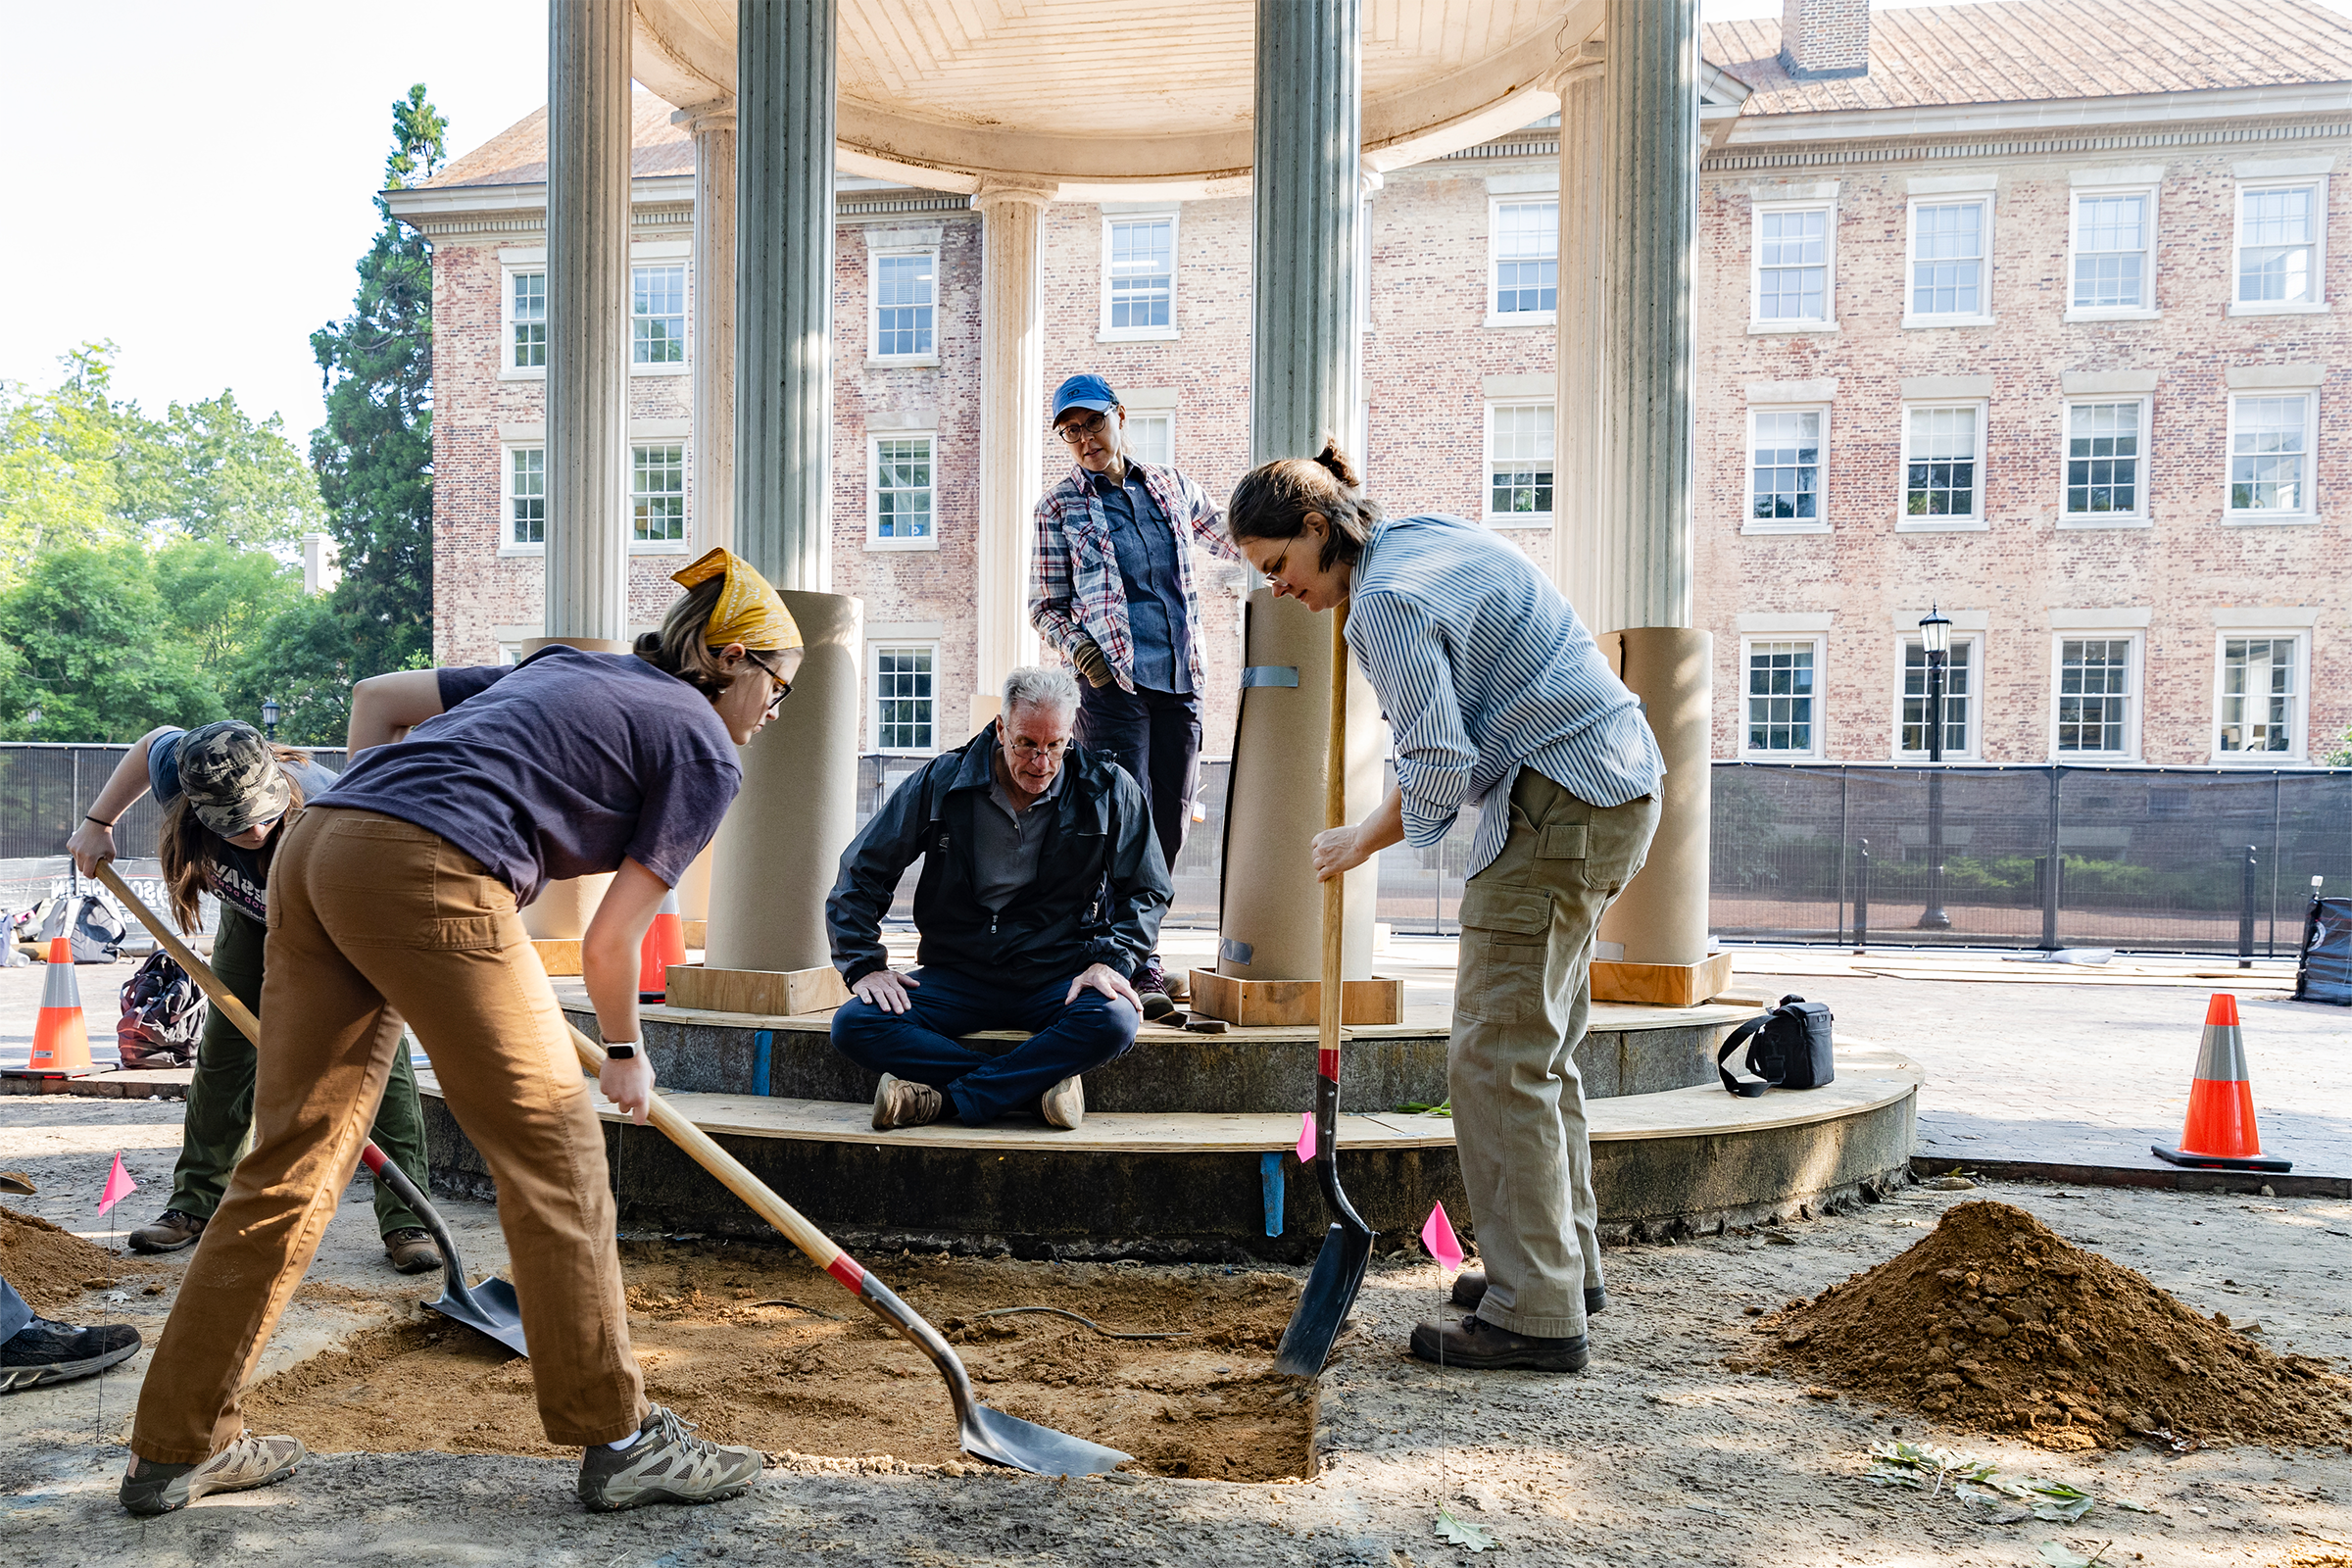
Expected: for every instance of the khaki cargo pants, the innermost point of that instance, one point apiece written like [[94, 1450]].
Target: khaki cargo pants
[[1522, 996]]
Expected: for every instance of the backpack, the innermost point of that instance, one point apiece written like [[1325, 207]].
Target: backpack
[[1788, 1047], [162, 1015], [96, 931]]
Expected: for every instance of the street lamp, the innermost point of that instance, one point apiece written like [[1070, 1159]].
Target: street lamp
[[1935, 636], [270, 712]]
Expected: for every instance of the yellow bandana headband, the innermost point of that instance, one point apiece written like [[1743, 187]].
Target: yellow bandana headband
[[748, 611]]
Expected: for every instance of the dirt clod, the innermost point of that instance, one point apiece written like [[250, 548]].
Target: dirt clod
[[54, 1269], [1996, 1323]]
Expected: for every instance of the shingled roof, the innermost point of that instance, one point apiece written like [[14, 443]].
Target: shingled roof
[[2018, 51], [518, 155]]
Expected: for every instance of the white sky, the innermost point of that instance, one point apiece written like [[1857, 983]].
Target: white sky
[[201, 173]]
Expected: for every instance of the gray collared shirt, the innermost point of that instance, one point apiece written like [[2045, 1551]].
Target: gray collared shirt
[[1005, 842]]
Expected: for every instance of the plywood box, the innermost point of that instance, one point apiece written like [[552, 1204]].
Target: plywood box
[[696, 931], [1662, 985], [559, 954], [1292, 1003], [772, 993]]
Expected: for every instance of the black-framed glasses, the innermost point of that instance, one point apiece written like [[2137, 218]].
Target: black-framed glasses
[[1077, 430], [783, 686]]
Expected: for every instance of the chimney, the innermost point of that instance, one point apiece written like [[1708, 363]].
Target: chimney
[[321, 570], [1822, 38]]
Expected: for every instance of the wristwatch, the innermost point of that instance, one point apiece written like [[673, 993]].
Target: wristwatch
[[620, 1050]]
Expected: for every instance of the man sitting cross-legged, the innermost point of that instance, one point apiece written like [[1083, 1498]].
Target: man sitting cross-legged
[[1041, 897]]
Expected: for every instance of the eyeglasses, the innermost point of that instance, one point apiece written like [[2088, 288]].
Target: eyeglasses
[[1078, 430], [783, 686], [1273, 573], [1027, 749]]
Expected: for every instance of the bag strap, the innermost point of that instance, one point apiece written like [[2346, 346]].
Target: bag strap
[[1740, 1037]]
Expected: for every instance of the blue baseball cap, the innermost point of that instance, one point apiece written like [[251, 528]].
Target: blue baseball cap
[[1084, 392]]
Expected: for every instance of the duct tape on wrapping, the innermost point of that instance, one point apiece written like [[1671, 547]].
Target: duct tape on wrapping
[[1269, 675]]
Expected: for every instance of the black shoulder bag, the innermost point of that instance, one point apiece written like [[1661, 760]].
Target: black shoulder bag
[[1788, 1047]]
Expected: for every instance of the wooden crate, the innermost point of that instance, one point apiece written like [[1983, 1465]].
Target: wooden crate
[[1292, 1003], [559, 955], [770, 993], [1662, 985]]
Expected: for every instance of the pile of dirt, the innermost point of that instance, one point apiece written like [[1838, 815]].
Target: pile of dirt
[[1996, 1323], [54, 1269], [761, 1349]]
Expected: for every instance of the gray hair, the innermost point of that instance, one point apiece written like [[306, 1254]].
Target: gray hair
[[1046, 687]]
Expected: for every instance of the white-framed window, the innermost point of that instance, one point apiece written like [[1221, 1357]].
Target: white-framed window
[[2281, 247], [1523, 262], [1519, 452], [2258, 697], [658, 493], [2106, 474], [2271, 457], [903, 678], [1943, 465], [1780, 696], [1139, 275], [1950, 279], [2097, 697], [2113, 264], [525, 314], [1961, 683], [523, 499], [1152, 436], [658, 316], [1787, 451], [1793, 274], [901, 490], [904, 287]]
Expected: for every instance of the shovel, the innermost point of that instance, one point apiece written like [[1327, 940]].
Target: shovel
[[489, 1306], [1348, 1245], [983, 1433]]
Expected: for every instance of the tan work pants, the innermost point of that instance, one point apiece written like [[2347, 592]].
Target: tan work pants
[[1522, 996], [372, 921]]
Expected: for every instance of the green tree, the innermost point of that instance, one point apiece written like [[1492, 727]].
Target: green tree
[[83, 631], [303, 660], [58, 450], [208, 470], [221, 601]]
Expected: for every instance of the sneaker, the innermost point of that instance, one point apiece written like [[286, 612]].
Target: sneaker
[[1470, 1289], [412, 1251], [901, 1103], [1064, 1105], [1478, 1346], [244, 1464], [1152, 985], [46, 1352], [667, 1464], [172, 1231]]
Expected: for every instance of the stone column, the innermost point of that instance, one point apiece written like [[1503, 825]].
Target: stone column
[[1012, 422], [1578, 537], [1306, 349], [778, 851], [588, 321], [713, 439]]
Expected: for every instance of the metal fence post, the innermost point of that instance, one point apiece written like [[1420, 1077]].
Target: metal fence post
[[2245, 911], [1862, 896], [2055, 869]]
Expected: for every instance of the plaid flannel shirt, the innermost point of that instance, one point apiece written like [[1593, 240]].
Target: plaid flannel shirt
[[1075, 590]]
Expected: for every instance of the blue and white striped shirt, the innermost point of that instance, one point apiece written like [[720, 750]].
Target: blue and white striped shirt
[[1482, 667]]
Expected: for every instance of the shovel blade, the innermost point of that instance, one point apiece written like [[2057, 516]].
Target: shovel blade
[[1330, 1292], [489, 1307], [1019, 1444]]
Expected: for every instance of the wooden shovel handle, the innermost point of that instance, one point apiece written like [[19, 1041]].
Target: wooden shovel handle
[[198, 970], [1335, 814]]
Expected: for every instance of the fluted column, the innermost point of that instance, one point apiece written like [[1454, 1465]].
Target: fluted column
[[1579, 539], [1012, 420], [588, 320], [712, 126]]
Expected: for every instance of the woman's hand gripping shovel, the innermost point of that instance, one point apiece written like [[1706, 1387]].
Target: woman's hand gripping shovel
[[1348, 1245], [489, 1306], [983, 1433]]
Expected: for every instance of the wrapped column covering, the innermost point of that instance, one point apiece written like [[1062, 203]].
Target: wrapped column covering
[[1661, 917]]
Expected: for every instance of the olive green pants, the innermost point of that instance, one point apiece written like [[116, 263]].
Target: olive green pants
[[1523, 994], [220, 1125]]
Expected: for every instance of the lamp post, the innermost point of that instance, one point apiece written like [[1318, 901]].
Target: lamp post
[[270, 713], [1935, 636]]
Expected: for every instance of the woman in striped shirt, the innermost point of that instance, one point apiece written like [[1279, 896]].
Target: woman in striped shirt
[[1500, 701]]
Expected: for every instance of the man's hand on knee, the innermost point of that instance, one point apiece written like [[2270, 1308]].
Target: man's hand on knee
[[1103, 978], [887, 990]]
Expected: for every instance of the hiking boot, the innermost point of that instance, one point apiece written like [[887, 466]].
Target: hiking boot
[[1478, 1345], [244, 1464], [1152, 985], [1470, 1289], [901, 1103], [1064, 1105], [667, 1464], [172, 1231], [412, 1251], [46, 1352]]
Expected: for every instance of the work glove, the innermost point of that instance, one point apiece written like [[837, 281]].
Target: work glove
[[1091, 664]]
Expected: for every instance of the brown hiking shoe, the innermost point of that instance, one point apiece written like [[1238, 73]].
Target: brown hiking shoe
[[1478, 1345], [667, 1463], [1470, 1289], [901, 1103], [412, 1251], [244, 1464], [1064, 1105], [172, 1231]]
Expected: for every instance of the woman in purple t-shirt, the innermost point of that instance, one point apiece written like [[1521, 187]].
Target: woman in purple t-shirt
[[395, 896]]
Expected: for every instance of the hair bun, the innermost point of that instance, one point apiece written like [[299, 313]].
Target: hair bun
[[1334, 463]]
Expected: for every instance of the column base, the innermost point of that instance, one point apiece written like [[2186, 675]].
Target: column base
[[1662, 985], [1292, 1003], [767, 993]]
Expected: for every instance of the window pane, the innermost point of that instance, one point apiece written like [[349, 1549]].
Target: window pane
[[1947, 259], [2111, 252], [1940, 478], [2274, 239], [2266, 455], [905, 298], [1785, 475], [903, 700], [658, 315], [526, 496], [1143, 273], [2102, 459], [1519, 458], [2093, 688], [1151, 437], [1956, 691], [658, 491], [1792, 271], [529, 311], [1526, 252], [2258, 694], [1780, 697], [903, 487]]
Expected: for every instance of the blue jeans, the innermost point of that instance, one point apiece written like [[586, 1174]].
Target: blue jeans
[[13, 1314], [920, 1044]]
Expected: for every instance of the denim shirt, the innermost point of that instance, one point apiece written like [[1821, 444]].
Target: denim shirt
[[1155, 608]]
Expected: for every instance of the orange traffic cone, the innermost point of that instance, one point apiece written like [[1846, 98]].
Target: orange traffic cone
[[2221, 1133], [664, 943], [61, 1040]]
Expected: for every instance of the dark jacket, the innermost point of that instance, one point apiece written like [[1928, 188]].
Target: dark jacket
[[1100, 890]]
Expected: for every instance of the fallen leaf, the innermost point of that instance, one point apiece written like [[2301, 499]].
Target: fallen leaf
[[1454, 1532], [2058, 1557]]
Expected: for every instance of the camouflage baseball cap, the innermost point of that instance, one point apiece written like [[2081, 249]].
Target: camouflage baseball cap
[[232, 779]]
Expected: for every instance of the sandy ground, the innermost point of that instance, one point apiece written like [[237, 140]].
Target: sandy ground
[[1657, 1455]]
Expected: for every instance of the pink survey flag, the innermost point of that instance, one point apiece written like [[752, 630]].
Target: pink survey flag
[[119, 1185], [1306, 1136], [1436, 1236]]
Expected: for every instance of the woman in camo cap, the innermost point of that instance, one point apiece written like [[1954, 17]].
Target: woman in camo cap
[[224, 790]]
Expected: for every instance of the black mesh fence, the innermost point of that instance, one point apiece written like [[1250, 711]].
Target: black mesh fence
[[44, 790]]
